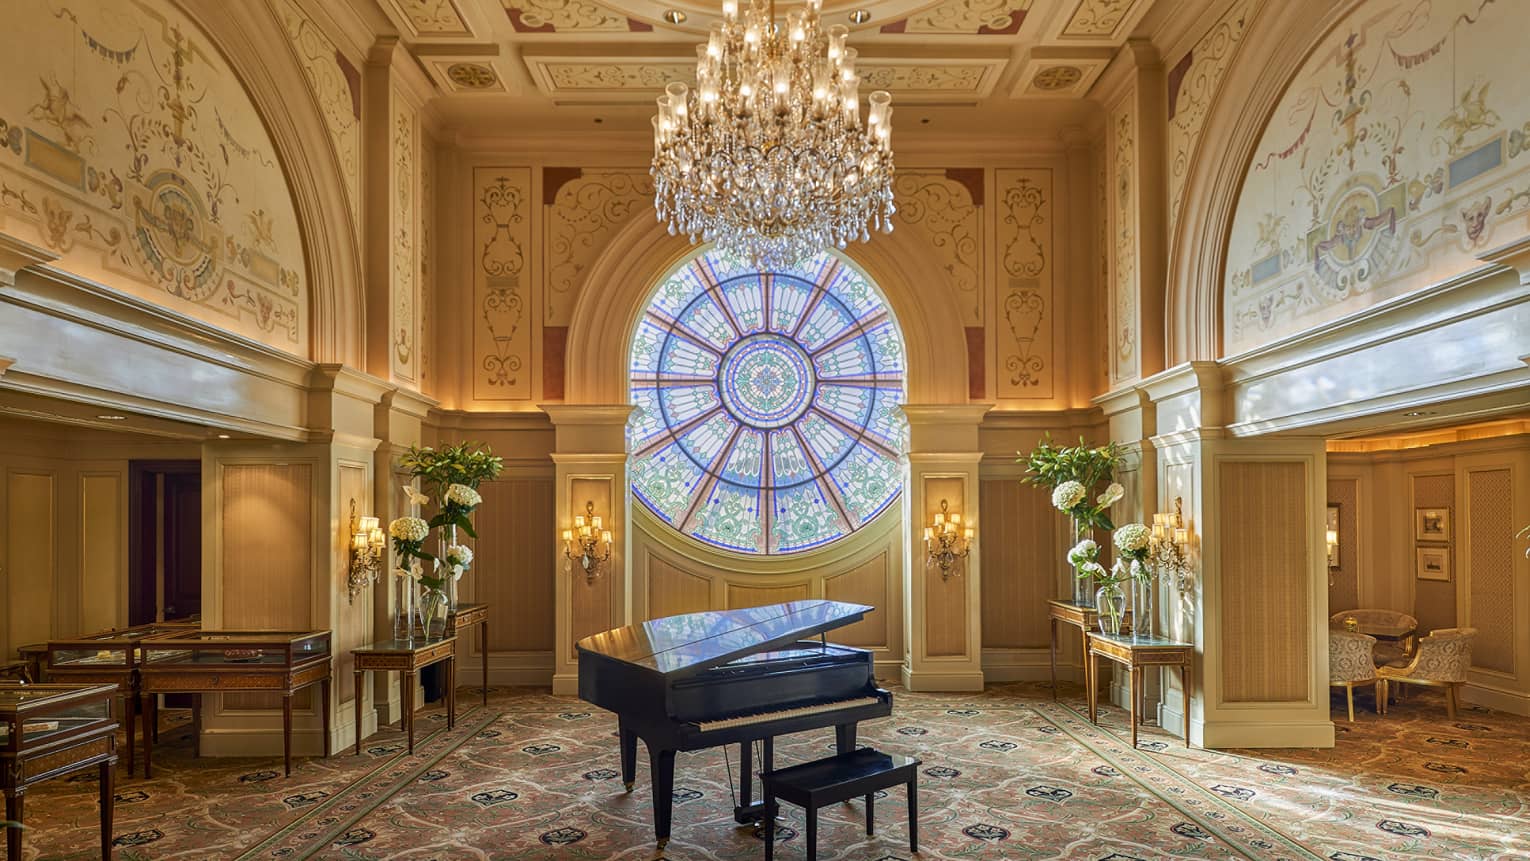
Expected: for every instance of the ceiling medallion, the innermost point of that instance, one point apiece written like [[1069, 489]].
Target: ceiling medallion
[[768, 157], [1057, 78], [471, 76]]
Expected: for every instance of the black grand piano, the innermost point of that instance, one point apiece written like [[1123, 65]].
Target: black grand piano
[[729, 676]]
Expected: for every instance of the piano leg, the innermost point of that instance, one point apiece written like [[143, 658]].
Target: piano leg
[[661, 764], [629, 756], [844, 738]]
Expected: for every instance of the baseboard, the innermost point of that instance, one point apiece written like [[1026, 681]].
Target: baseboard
[[1225, 734], [1026, 665], [928, 680], [565, 685], [1170, 720], [1513, 702], [264, 742]]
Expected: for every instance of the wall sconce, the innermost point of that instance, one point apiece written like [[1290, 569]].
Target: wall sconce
[[946, 542], [368, 545], [1331, 539], [1169, 547], [585, 541]]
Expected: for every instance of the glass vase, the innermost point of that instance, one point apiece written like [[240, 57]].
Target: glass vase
[[1142, 606], [448, 538], [404, 612], [434, 607], [1083, 591], [1110, 601]]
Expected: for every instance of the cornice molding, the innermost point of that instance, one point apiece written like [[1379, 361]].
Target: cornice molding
[[1205, 378], [410, 403], [1002, 419], [934, 415], [5, 364], [16, 255], [1123, 400], [344, 380], [581, 415], [626, 147], [474, 420]]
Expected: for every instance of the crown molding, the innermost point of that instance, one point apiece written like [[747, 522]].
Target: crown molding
[[16, 255]]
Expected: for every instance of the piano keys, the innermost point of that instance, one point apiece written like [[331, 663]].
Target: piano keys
[[704, 680]]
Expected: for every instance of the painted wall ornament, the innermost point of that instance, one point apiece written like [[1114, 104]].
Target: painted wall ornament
[[502, 232], [1390, 162], [1025, 300]]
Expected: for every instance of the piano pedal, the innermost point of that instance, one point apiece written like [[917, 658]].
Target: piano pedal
[[752, 813]]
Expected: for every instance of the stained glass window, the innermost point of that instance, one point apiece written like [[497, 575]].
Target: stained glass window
[[767, 416]]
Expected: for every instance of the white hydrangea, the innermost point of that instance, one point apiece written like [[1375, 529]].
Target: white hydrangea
[[459, 557], [1084, 551], [463, 496], [1132, 538], [409, 529], [1112, 495], [1067, 495]]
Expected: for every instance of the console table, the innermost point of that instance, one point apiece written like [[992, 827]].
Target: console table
[[408, 657], [465, 616], [1136, 654], [1084, 619], [205, 662], [48, 731]]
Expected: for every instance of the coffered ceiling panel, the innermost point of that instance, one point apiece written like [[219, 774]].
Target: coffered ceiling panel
[[429, 18], [1101, 21], [1060, 72]]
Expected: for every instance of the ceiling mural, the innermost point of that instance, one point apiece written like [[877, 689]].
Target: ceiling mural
[[431, 17], [1193, 81], [1336, 214], [133, 152], [965, 18], [336, 84]]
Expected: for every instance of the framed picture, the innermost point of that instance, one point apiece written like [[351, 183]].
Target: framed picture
[[1434, 563], [1431, 524]]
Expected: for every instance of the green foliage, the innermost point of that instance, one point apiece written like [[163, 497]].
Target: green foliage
[[1048, 465], [466, 463], [453, 516]]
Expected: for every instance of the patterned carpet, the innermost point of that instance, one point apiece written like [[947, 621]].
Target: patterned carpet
[[1006, 774]]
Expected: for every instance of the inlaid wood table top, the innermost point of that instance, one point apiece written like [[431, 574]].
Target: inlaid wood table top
[[1136, 653], [403, 654]]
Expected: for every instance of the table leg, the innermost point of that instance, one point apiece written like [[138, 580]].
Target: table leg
[[130, 708], [768, 824], [148, 737], [406, 721], [1054, 659], [451, 692], [1083, 638], [871, 806], [108, 798], [483, 649], [13, 806], [1089, 689], [196, 726], [1185, 672], [913, 814], [287, 733], [812, 833], [324, 716], [1135, 680], [360, 679]]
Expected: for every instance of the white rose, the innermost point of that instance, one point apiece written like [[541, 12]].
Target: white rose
[[1084, 551], [463, 496], [1132, 538], [1112, 494], [459, 557], [1067, 495], [409, 529]]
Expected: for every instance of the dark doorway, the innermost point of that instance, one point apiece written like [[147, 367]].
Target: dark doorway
[[164, 540]]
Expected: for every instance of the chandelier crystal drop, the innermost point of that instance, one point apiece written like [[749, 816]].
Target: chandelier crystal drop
[[768, 156]]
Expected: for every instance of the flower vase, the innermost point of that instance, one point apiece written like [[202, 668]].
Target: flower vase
[[1111, 602], [1083, 595], [1142, 607], [404, 613], [434, 607], [448, 538]]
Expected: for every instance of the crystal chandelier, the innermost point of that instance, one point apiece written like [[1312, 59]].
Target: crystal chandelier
[[768, 156]]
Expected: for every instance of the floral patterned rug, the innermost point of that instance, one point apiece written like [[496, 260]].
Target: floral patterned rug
[[1006, 774]]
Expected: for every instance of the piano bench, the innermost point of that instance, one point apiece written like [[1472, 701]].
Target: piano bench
[[817, 784]]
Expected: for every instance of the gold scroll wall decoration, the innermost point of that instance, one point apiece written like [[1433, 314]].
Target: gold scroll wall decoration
[[404, 334], [965, 18], [427, 272], [130, 148], [432, 17], [1123, 214], [585, 213], [1097, 18], [1025, 287], [1194, 90], [338, 103], [503, 330], [942, 213]]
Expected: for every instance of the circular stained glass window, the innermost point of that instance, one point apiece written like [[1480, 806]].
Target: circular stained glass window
[[767, 416]]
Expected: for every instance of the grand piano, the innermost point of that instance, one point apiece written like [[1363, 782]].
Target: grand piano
[[730, 676]]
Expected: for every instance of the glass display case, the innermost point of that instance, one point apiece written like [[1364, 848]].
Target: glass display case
[[199, 662], [49, 731]]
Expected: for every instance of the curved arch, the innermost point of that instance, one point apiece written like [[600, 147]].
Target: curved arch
[[638, 256], [307, 158], [1277, 44]]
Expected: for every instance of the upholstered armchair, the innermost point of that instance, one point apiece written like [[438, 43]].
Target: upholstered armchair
[[1389, 652], [1350, 663], [1442, 660]]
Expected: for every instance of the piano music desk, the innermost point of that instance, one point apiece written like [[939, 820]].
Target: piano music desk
[[822, 782]]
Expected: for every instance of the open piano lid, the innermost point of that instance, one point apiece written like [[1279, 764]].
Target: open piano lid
[[679, 646]]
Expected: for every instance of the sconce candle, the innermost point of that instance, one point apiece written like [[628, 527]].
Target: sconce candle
[[368, 545], [946, 543], [587, 543]]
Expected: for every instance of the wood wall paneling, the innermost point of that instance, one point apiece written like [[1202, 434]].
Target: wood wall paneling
[[1490, 585], [351, 628], [945, 598], [865, 583], [514, 565], [102, 554], [1264, 581], [673, 590], [739, 596], [1434, 601], [592, 602], [1344, 594], [31, 563], [1020, 564]]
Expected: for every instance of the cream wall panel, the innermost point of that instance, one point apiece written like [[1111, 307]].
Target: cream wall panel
[[103, 550], [945, 598], [592, 601], [1489, 548], [353, 617], [673, 591], [1265, 620], [31, 570], [514, 567], [864, 584], [740, 596], [266, 533], [1434, 601], [1344, 593]]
